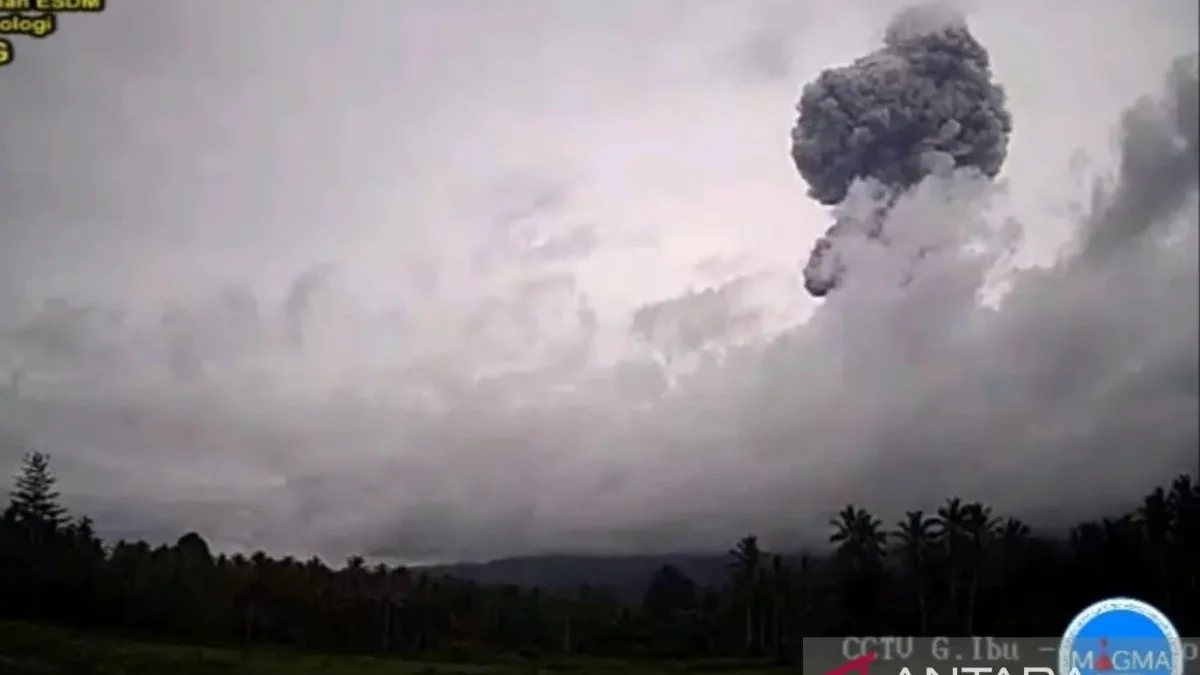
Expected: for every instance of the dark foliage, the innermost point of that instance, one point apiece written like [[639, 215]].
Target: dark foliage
[[961, 570]]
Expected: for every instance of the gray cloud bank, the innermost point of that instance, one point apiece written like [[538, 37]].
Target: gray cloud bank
[[295, 422]]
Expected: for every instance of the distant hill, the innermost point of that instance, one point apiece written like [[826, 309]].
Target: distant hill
[[629, 575]]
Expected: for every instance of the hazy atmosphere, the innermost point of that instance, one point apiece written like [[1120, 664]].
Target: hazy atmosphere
[[459, 279]]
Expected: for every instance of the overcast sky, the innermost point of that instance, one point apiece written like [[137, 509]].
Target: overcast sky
[[426, 279]]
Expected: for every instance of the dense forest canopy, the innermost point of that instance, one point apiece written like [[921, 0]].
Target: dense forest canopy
[[962, 569]]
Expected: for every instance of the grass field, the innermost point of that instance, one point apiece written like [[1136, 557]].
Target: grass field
[[27, 649]]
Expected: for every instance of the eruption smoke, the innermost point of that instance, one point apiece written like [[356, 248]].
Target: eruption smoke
[[923, 103]]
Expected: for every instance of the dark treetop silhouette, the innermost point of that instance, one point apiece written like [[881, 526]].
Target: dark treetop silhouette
[[961, 570]]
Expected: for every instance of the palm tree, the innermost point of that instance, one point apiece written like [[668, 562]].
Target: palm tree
[[916, 535], [802, 595], [861, 546], [951, 525], [860, 538], [1013, 535], [1013, 531], [980, 527], [1154, 518], [747, 566], [1119, 564], [1184, 501], [1014, 553], [780, 591]]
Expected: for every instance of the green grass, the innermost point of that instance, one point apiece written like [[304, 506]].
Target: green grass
[[28, 649]]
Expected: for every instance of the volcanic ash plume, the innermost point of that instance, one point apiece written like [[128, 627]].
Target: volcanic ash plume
[[925, 102]]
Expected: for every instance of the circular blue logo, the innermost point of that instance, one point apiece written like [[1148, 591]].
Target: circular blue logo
[[1121, 636]]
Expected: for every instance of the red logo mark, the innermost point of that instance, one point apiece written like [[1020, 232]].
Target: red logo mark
[[1104, 663], [859, 665]]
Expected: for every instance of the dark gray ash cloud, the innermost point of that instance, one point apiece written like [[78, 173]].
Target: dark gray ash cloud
[[924, 100]]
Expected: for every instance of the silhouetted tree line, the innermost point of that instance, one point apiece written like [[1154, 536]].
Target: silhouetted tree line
[[960, 570]]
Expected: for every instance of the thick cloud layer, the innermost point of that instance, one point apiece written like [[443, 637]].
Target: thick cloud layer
[[486, 393], [925, 100]]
